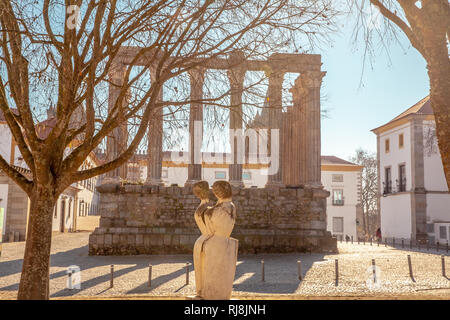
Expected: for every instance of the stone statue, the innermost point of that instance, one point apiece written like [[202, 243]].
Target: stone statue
[[215, 253]]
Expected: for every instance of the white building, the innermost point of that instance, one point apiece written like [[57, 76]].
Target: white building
[[414, 199], [344, 212], [77, 201]]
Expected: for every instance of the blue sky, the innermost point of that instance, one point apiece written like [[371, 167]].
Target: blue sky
[[388, 88]]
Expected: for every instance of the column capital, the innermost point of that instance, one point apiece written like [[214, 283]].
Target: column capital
[[196, 75], [117, 73], [236, 76], [276, 77], [311, 79]]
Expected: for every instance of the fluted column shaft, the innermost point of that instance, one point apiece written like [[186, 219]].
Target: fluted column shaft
[[155, 139], [311, 82], [275, 119], [197, 78], [236, 77], [117, 140]]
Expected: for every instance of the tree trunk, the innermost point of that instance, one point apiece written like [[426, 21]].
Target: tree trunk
[[34, 281], [439, 74]]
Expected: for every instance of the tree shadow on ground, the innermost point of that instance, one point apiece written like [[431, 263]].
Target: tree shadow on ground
[[161, 280], [280, 272]]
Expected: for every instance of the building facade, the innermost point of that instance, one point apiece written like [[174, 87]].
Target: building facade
[[344, 212], [414, 199], [77, 201]]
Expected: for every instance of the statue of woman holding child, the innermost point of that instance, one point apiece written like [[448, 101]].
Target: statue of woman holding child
[[215, 253]]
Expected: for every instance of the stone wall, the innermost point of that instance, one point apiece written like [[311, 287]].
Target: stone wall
[[138, 219]]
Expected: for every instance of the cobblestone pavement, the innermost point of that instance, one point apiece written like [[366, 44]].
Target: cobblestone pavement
[[281, 273]]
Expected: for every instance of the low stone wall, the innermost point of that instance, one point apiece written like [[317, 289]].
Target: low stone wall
[[87, 223], [138, 219]]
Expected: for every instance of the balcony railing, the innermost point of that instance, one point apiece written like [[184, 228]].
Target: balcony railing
[[338, 202], [387, 187], [401, 185]]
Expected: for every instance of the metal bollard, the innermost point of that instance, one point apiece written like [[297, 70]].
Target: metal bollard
[[358, 240], [410, 267], [437, 246], [373, 271], [370, 241], [428, 245], [262, 271], [385, 242], [410, 243], [352, 239], [187, 273], [336, 270], [443, 266], [403, 243], [299, 265], [393, 242], [150, 275], [111, 285]]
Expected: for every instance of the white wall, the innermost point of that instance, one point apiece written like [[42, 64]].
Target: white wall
[[438, 207], [396, 216], [434, 170], [179, 176], [176, 175], [396, 155], [350, 194], [4, 205], [5, 142], [68, 216]]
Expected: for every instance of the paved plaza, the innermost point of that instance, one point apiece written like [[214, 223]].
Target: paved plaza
[[280, 276]]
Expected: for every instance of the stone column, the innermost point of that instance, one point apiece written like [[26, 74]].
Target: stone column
[[236, 77], [275, 118], [311, 82], [117, 140], [155, 137], [197, 79], [296, 159]]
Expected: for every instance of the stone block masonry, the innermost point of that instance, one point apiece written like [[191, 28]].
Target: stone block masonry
[[142, 219]]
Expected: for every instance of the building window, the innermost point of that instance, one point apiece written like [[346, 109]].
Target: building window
[[338, 224], [443, 232], [401, 178], [246, 175], [400, 140], [220, 174], [430, 227], [387, 180], [338, 197], [386, 145], [337, 178], [165, 174]]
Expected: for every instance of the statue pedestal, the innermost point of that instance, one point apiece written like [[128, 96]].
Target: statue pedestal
[[215, 260]]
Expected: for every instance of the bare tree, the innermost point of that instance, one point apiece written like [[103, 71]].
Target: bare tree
[[53, 57], [369, 188], [426, 24]]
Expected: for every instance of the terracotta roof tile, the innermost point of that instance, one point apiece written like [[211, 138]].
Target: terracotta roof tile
[[335, 160]]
